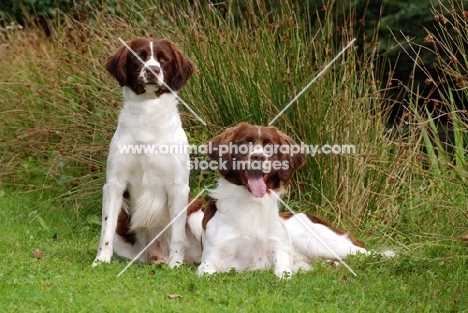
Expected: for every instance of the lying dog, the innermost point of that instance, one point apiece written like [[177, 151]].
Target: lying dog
[[241, 225]]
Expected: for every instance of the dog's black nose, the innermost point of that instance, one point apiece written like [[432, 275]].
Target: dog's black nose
[[258, 157], [152, 71]]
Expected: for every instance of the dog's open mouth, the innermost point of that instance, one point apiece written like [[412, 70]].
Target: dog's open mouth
[[255, 181]]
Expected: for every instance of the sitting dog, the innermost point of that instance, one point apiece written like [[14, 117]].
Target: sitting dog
[[155, 186]]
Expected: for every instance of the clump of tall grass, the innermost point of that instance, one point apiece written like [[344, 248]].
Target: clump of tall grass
[[60, 107], [431, 138]]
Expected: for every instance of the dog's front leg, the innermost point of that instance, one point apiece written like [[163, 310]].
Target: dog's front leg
[[111, 204], [283, 252], [212, 257], [178, 201], [283, 262]]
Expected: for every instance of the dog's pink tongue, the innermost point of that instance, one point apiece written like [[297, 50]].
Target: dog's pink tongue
[[256, 184]]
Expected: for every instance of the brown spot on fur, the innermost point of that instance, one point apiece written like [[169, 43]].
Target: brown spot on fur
[[156, 254], [195, 206], [286, 215], [123, 227], [210, 211]]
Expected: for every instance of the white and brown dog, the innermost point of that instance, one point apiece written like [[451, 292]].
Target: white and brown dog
[[147, 190], [242, 227]]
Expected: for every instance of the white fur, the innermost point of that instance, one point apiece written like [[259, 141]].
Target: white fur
[[307, 246], [158, 183], [245, 233]]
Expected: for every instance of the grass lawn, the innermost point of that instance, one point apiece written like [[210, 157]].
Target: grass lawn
[[431, 277]]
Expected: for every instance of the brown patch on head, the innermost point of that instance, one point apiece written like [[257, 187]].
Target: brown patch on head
[[209, 212], [126, 67], [248, 153]]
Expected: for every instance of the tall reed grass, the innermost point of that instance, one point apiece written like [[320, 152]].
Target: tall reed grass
[[59, 107]]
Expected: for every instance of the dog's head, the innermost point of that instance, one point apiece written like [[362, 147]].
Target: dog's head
[[259, 158], [157, 61]]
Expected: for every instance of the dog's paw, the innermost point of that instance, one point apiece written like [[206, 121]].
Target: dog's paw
[[206, 269], [103, 257], [283, 273], [96, 262], [175, 264], [176, 261]]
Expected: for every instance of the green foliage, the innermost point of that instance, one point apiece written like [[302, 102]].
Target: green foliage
[[21, 10], [60, 107]]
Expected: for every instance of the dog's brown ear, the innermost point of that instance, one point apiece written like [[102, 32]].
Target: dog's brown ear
[[184, 68], [218, 150], [294, 159], [116, 65]]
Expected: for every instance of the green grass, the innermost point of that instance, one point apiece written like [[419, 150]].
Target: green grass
[[432, 278]]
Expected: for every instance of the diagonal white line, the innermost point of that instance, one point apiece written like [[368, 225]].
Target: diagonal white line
[[164, 83], [313, 80], [162, 231], [316, 236]]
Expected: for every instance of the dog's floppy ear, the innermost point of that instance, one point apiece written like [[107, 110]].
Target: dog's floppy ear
[[218, 149], [295, 158], [183, 71], [116, 65]]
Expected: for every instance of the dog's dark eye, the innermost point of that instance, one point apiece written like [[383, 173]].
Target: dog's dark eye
[[241, 142], [163, 59], [142, 55]]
